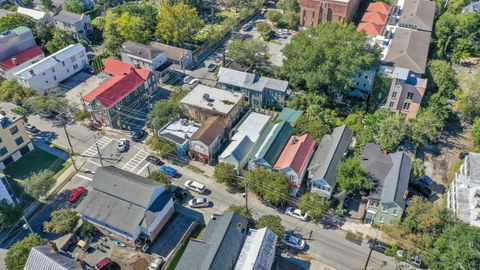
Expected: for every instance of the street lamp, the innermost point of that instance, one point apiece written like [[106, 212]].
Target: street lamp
[[26, 226]]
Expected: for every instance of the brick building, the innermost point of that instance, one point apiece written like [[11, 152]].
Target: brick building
[[313, 12]]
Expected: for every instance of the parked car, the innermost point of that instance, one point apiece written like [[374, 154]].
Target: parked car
[[169, 170], [187, 79], [416, 261], [31, 128], [198, 202], [195, 186], [422, 188], [211, 67], [193, 83], [104, 264], [293, 241], [247, 27], [377, 245], [76, 194], [296, 213], [139, 135], [153, 159], [122, 145], [179, 193], [156, 264]]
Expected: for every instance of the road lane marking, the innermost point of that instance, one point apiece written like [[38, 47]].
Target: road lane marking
[[84, 177], [133, 163], [143, 168]]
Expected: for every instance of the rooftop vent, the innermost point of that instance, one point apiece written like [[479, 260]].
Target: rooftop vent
[[206, 96]]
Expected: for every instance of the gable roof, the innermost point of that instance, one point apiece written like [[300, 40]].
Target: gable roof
[[329, 153], [296, 153], [68, 17], [140, 50], [238, 148], [173, 53], [409, 49], [44, 257], [250, 81], [117, 67], [270, 144], [379, 7], [418, 14], [33, 13], [375, 18], [219, 246], [371, 29], [211, 128], [20, 58], [290, 115]]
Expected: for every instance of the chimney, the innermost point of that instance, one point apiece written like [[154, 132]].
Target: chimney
[[14, 61], [53, 246]]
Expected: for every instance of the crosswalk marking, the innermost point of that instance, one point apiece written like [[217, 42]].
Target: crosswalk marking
[[133, 163], [92, 150], [84, 177]]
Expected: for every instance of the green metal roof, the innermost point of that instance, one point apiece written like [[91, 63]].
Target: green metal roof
[[290, 115], [21, 30], [272, 141]]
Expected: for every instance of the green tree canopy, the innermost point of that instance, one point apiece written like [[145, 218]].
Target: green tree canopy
[[177, 23], [467, 98], [427, 125], [238, 5], [48, 5], [161, 145], [74, 6], [242, 211], [14, 20], [418, 168], [165, 110], [39, 183], [248, 52], [12, 91], [313, 204], [147, 11], [264, 28], [442, 77], [227, 174], [17, 255], [61, 39], [273, 15], [63, 221], [9, 214], [352, 176], [289, 5], [290, 20], [476, 134], [49, 103], [393, 131], [326, 59], [161, 177], [273, 222], [271, 186]]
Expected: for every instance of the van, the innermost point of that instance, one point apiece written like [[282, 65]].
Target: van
[[195, 186]]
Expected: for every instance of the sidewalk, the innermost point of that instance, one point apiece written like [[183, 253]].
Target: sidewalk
[[42, 145], [365, 230]]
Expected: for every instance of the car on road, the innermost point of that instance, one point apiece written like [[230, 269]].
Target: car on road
[[156, 264], [31, 128], [169, 171], [187, 79], [139, 135], [153, 159], [193, 83], [211, 67], [293, 241], [198, 202], [195, 186], [247, 27], [416, 261], [122, 145], [296, 213], [377, 245], [76, 194], [178, 193]]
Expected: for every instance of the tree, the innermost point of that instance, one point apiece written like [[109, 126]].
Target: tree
[[9, 214], [273, 222], [165, 110], [240, 209], [476, 134], [457, 248], [442, 77], [427, 125], [290, 20], [48, 5], [12, 91], [177, 23], [467, 98], [264, 28], [111, 33], [17, 255], [271, 186], [289, 5], [352, 176], [273, 15], [14, 20], [87, 230], [326, 58], [161, 177], [63, 221], [61, 39], [250, 53], [74, 6], [50, 103], [145, 10], [392, 132], [227, 174], [313, 204], [39, 183], [418, 168], [161, 145], [132, 28], [237, 5], [43, 34]]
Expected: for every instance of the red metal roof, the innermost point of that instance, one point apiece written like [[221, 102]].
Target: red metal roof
[[117, 67], [371, 29], [296, 155], [379, 7], [20, 58], [375, 17]]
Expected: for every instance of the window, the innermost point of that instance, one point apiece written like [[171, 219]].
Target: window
[[3, 151], [54, 78], [73, 58], [395, 211], [384, 209], [397, 82], [19, 140], [409, 95], [391, 104], [406, 106], [53, 70], [13, 130], [394, 94], [381, 219], [75, 67]]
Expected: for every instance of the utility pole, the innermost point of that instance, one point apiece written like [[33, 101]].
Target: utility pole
[[246, 196], [98, 150], [27, 224], [71, 147], [369, 254], [148, 170]]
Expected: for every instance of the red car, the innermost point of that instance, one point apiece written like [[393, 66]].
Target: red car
[[76, 194]]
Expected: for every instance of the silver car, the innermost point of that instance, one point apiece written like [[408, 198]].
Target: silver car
[[293, 241], [122, 145], [198, 202]]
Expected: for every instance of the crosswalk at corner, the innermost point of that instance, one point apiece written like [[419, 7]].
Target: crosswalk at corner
[[133, 163], [92, 150]]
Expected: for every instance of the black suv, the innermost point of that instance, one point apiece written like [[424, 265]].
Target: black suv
[[139, 135]]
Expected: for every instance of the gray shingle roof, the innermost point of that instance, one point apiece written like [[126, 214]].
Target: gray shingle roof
[[219, 247], [173, 53], [329, 153], [250, 81], [68, 17], [140, 50], [472, 7], [43, 257], [418, 14], [409, 49]]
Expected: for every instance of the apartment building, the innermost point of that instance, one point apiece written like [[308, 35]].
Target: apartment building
[[80, 24], [14, 140], [147, 57]]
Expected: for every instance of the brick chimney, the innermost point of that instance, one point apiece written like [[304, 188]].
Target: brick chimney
[[53, 246], [14, 61]]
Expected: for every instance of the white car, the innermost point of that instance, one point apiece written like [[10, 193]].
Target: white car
[[195, 186], [122, 145], [156, 264], [187, 79], [293, 241], [296, 213], [198, 202], [193, 83]]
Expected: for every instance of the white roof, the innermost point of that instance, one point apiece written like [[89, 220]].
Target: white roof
[[258, 250], [252, 126], [211, 98], [179, 130], [35, 14], [50, 61]]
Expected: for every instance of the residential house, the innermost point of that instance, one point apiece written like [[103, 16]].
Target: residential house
[[322, 171], [179, 131], [314, 12], [207, 140], [80, 24], [289, 115], [406, 93], [53, 69], [463, 196], [472, 7], [14, 140], [244, 137], [127, 89], [258, 251], [294, 160], [124, 205], [219, 246], [258, 91], [51, 258], [391, 175], [269, 145], [6, 192], [37, 15], [17, 51], [179, 57], [205, 101], [147, 57]]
